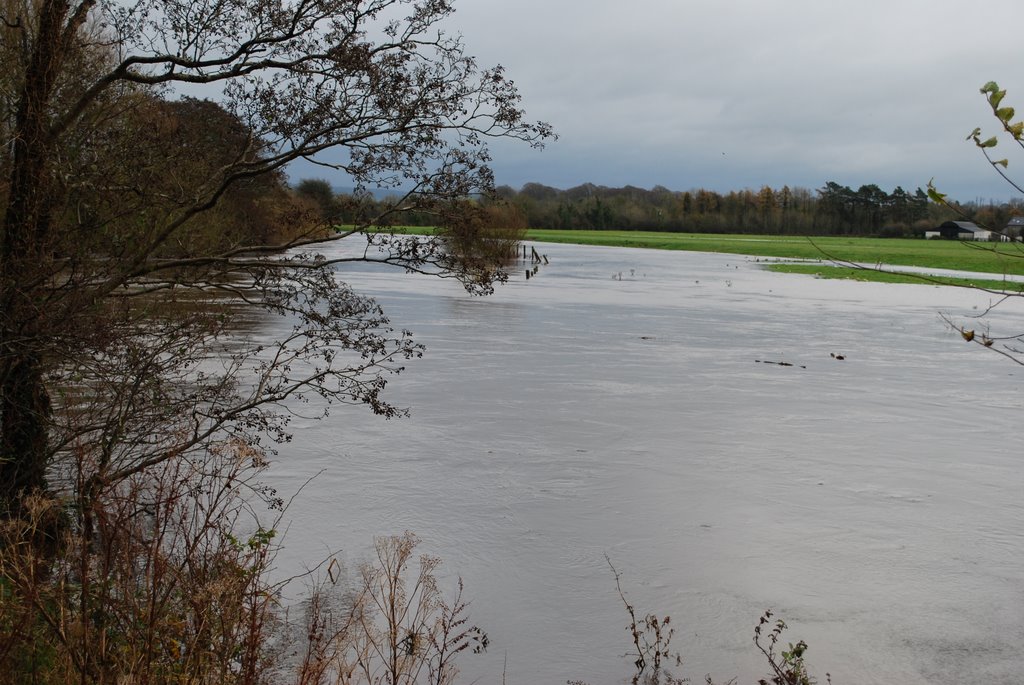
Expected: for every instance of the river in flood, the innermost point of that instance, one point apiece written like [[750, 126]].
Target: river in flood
[[619, 403]]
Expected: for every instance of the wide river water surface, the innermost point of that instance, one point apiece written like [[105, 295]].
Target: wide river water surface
[[619, 403]]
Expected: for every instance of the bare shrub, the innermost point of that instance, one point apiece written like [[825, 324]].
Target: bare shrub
[[396, 628], [165, 577], [153, 580]]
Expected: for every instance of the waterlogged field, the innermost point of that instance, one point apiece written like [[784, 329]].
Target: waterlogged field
[[890, 274], [625, 402], [992, 258]]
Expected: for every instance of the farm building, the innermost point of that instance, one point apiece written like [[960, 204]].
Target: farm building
[[963, 230], [1014, 228]]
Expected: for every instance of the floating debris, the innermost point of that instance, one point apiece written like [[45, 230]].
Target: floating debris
[[765, 361]]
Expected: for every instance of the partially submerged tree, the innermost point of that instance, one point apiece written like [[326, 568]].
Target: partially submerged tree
[[107, 241]]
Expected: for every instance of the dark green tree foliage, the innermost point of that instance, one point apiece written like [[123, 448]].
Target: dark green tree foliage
[[833, 209], [869, 208], [320, 193]]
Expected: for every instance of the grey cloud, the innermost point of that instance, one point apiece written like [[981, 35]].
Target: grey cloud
[[793, 92]]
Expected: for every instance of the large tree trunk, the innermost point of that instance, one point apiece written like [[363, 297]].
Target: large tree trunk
[[25, 412], [26, 269]]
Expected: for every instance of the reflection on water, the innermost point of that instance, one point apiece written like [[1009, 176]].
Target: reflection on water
[[874, 502]]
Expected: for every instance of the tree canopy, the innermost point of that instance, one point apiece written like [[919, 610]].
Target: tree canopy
[[119, 188], [144, 212]]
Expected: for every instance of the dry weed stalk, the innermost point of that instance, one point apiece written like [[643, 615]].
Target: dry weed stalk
[[651, 636], [164, 577], [395, 629], [148, 581]]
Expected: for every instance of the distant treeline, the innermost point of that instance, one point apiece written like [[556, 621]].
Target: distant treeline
[[831, 210]]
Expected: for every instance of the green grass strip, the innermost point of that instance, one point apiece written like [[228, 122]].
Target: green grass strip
[[871, 275], [993, 258]]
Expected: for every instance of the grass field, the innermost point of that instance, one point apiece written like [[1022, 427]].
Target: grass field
[[878, 276], [998, 259]]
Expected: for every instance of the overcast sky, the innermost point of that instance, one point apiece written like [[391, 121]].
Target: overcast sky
[[731, 94]]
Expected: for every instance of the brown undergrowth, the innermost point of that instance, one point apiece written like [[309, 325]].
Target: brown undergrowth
[[166, 577]]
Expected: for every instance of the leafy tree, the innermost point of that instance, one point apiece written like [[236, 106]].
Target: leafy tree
[[836, 209], [146, 169], [768, 205], [113, 190], [319, 192], [871, 202], [140, 230]]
